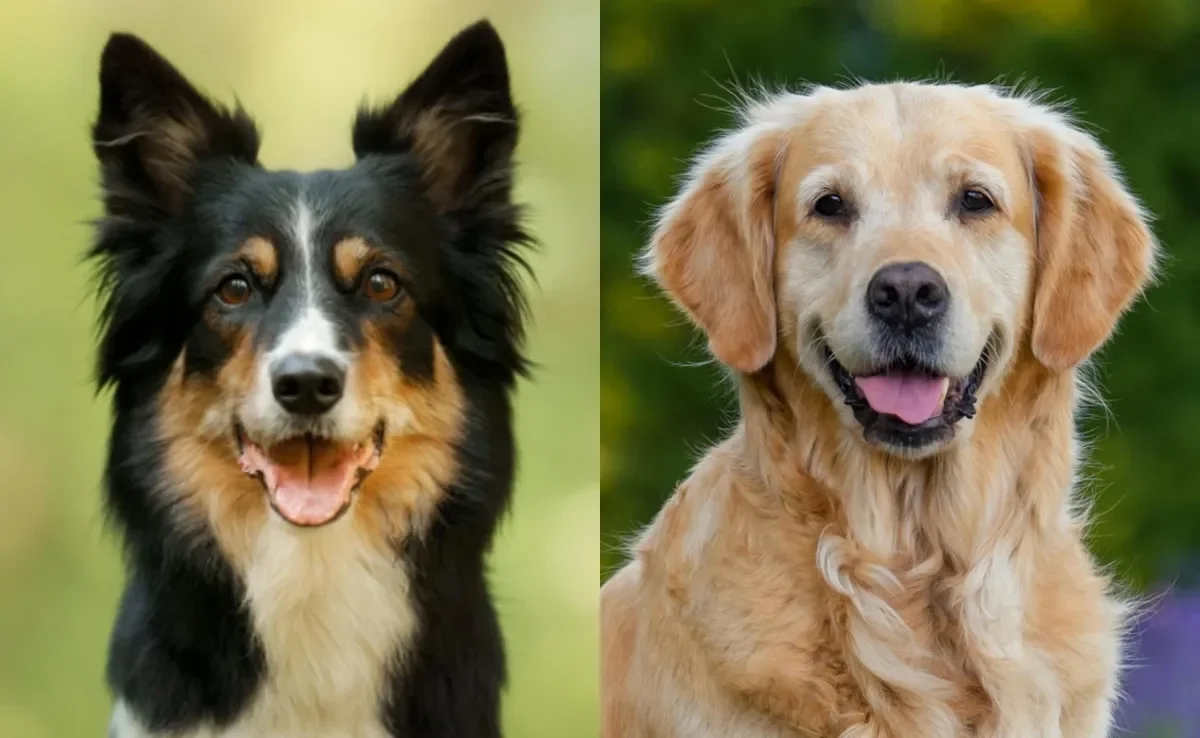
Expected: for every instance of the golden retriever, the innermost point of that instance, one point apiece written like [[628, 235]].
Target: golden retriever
[[903, 279]]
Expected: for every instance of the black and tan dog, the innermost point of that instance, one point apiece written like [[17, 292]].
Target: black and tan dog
[[312, 439]]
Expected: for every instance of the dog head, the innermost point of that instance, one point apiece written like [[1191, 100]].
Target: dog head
[[903, 242], [307, 329]]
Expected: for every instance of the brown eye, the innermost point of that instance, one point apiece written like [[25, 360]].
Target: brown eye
[[234, 291], [381, 286]]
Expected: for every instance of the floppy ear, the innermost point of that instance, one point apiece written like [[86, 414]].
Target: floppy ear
[[458, 119], [1095, 251], [154, 127], [714, 248]]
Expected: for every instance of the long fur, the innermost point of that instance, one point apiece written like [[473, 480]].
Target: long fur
[[805, 582], [233, 622]]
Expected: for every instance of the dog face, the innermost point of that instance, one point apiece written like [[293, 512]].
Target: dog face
[[313, 340], [308, 330], [904, 242], [908, 257]]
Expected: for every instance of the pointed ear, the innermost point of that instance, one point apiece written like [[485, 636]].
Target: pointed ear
[[154, 127], [713, 251], [457, 118], [1095, 250]]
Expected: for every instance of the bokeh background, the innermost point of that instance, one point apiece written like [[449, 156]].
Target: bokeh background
[[1132, 67], [300, 68]]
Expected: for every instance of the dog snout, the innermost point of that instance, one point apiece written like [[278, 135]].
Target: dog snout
[[306, 384], [907, 296]]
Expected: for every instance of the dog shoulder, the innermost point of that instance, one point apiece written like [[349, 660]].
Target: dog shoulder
[[619, 598], [644, 646]]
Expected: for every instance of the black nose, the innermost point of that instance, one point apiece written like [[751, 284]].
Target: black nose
[[306, 384], [909, 295]]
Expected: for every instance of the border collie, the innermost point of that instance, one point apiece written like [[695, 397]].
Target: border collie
[[311, 377]]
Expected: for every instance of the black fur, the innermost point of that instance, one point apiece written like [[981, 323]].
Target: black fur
[[182, 188]]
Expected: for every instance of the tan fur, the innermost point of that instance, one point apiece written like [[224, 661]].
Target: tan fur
[[727, 206], [349, 257], [262, 257], [802, 582], [331, 605], [1091, 265]]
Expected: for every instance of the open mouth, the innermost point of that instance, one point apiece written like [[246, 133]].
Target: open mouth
[[310, 480], [908, 403]]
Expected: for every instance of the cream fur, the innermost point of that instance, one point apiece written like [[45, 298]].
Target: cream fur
[[333, 612], [802, 582]]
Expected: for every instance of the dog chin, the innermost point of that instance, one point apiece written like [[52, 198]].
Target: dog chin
[[905, 407]]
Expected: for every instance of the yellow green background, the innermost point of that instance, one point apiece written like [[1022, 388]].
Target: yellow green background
[[300, 68]]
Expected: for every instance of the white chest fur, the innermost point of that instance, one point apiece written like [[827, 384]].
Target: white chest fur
[[333, 612]]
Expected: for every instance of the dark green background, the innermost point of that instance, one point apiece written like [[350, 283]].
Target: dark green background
[[1133, 71]]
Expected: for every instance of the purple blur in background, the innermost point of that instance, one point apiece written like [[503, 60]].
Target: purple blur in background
[[1162, 685]]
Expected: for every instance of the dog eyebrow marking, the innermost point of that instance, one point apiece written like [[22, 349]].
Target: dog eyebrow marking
[[260, 254], [349, 255]]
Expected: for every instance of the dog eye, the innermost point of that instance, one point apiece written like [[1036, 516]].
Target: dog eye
[[381, 286], [830, 206], [234, 291], [975, 201]]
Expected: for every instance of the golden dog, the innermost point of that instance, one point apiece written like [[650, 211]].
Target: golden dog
[[904, 279]]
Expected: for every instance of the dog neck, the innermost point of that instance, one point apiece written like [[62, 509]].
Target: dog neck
[[907, 550], [1006, 469]]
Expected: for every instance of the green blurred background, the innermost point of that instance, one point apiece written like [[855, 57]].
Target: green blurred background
[[300, 68], [1132, 67]]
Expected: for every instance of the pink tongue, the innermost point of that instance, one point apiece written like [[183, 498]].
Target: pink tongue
[[309, 484], [913, 399]]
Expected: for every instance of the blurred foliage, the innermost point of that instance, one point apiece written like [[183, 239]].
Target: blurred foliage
[[1131, 68], [300, 68]]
